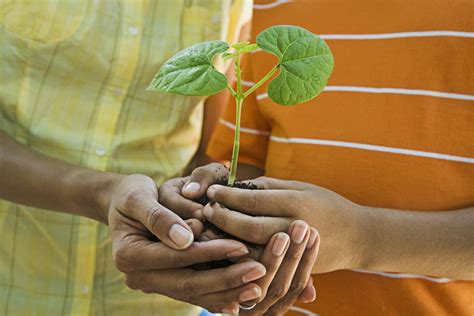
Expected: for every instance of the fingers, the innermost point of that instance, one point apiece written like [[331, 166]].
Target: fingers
[[267, 183], [142, 205], [160, 221], [283, 281], [233, 297], [257, 230], [257, 202], [201, 178], [309, 293], [190, 286], [271, 258], [301, 279], [135, 253], [170, 197]]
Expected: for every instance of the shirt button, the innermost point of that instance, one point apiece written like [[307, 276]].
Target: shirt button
[[100, 151], [85, 290], [118, 92], [133, 30]]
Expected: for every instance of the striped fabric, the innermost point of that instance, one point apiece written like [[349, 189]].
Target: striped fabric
[[72, 86], [394, 128]]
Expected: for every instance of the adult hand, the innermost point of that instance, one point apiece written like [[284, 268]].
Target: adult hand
[[136, 219], [176, 194], [179, 194], [255, 215], [291, 278]]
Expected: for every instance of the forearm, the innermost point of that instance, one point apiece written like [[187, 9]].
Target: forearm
[[428, 243], [37, 180]]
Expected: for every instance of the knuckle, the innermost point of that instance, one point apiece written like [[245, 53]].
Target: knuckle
[[154, 218], [293, 256], [202, 173], [132, 197], [231, 282], [122, 260], [177, 260], [276, 293], [256, 231], [219, 219], [251, 203], [297, 287], [187, 289], [132, 282]]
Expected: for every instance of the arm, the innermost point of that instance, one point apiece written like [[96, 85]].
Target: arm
[[429, 243], [355, 236], [31, 178], [129, 204]]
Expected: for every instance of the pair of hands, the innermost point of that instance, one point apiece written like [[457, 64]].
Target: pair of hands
[[282, 273]]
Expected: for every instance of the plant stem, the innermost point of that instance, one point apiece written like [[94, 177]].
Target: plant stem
[[239, 98], [262, 81], [229, 87], [235, 150]]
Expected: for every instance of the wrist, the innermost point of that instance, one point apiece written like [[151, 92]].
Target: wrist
[[90, 192], [361, 242]]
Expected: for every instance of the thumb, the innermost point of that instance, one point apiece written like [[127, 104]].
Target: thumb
[[203, 177], [160, 221]]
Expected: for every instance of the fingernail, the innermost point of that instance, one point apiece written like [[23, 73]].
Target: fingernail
[[230, 310], [208, 211], [192, 187], [254, 274], [279, 244], [237, 252], [211, 192], [312, 238], [250, 294], [181, 236], [299, 231]]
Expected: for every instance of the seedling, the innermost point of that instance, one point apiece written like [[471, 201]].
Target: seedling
[[304, 65]]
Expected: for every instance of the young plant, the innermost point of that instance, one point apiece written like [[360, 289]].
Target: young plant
[[304, 65]]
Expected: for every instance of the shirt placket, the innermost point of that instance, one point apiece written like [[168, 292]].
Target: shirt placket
[[108, 111]]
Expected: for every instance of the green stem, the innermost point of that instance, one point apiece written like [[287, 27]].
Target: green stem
[[232, 91], [262, 81], [239, 98], [235, 150]]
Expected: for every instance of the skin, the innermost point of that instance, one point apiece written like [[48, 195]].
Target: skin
[[353, 236], [289, 279], [129, 205]]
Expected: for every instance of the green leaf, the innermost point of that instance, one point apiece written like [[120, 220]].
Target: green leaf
[[305, 62], [190, 72]]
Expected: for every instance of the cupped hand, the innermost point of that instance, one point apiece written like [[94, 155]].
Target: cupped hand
[[136, 221], [255, 215]]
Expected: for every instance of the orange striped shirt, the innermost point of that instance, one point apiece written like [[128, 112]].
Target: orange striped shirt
[[394, 128]]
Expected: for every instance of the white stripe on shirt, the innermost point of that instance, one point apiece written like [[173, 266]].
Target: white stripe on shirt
[[342, 144], [428, 93]]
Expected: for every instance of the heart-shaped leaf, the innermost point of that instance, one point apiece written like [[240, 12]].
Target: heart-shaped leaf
[[305, 62], [190, 72]]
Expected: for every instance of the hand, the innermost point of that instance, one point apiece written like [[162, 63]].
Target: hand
[[172, 195], [291, 279], [136, 219], [336, 218], [179, 194]]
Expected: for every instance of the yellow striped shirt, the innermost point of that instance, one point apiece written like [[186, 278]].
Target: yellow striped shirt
[[73, 76]]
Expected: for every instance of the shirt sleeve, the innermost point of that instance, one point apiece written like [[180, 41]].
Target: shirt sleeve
[[254, 130]]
